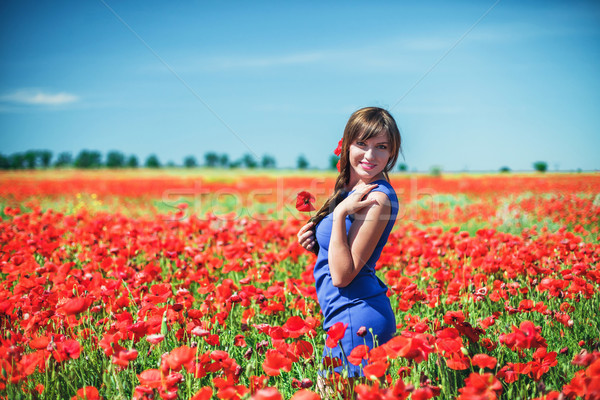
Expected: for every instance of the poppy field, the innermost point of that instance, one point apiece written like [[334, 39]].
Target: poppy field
[[166, 285]]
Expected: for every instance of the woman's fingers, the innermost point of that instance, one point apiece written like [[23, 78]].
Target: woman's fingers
[[306, 236], [305, 227]]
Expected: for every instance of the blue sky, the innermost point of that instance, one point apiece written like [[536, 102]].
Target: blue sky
[[473, 85]]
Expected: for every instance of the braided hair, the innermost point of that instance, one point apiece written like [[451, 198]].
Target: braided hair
[[362, 125]]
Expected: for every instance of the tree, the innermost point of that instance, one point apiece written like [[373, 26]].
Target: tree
[[45, 158], [402, 167], [17, 161], [333, 161], [4, 162], [30, 158], [115, 159], [435, 170], [235, 164], [88, 159], [211, 159], [152, 161], [302, 163], [64, 159], [540, 166], [224, 160], [190, 162], [267, 161], [132, 161], [249, 161], [504, 169]]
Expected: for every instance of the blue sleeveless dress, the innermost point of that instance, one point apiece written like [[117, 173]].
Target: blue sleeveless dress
[[364, 301]]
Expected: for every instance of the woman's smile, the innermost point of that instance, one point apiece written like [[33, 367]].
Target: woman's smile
[[368, 165]]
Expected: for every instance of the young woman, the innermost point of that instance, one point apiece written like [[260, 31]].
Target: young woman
[[349, 232]]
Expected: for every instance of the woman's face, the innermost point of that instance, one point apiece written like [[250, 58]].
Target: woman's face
[[368, 158]]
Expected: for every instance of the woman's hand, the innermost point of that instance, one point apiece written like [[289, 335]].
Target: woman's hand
[[354, 202], [306, 237]]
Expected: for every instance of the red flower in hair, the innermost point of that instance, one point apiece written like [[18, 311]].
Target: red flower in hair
[[338, 149], [304, 202]]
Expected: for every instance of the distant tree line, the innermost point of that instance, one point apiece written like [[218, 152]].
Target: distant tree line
[[89, 159]]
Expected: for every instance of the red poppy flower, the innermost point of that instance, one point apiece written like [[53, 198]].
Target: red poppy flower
[[151, 378], [275, 361], [39, 342], [295, 326], [179, 357], [301, 348], [376, 369], [305, 394], [478, 386], [123, 357], [269, 393], [203, 394], [335, 333], [484, 361], [75, 306], [155, 338], [359, 353], [304, 202], [87, 393]]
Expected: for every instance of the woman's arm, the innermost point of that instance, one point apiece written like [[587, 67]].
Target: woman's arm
[[349, 253]]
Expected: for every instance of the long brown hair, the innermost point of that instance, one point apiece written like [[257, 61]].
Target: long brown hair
[[362, 125]]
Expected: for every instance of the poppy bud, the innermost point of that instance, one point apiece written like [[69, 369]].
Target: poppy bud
[[306, 383], [248, 353], [362, 331]]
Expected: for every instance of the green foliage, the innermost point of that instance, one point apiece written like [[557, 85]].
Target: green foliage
[[333, 160], [88, 159], [540, 166], [152, 161], [435, 170], [211, 159], [268, 161], [223, 160], [30, 158], [190, 162], [64, 159], [249, 161], [132, 161], [115, 159], [4, 162], [302, 162], [504, 169], [45, 158], [402, 167], [17, 161]]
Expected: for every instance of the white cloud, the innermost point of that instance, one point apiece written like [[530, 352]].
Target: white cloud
[[37, 97]]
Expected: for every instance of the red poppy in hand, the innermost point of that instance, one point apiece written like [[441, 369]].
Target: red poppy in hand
[[304, 202]]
